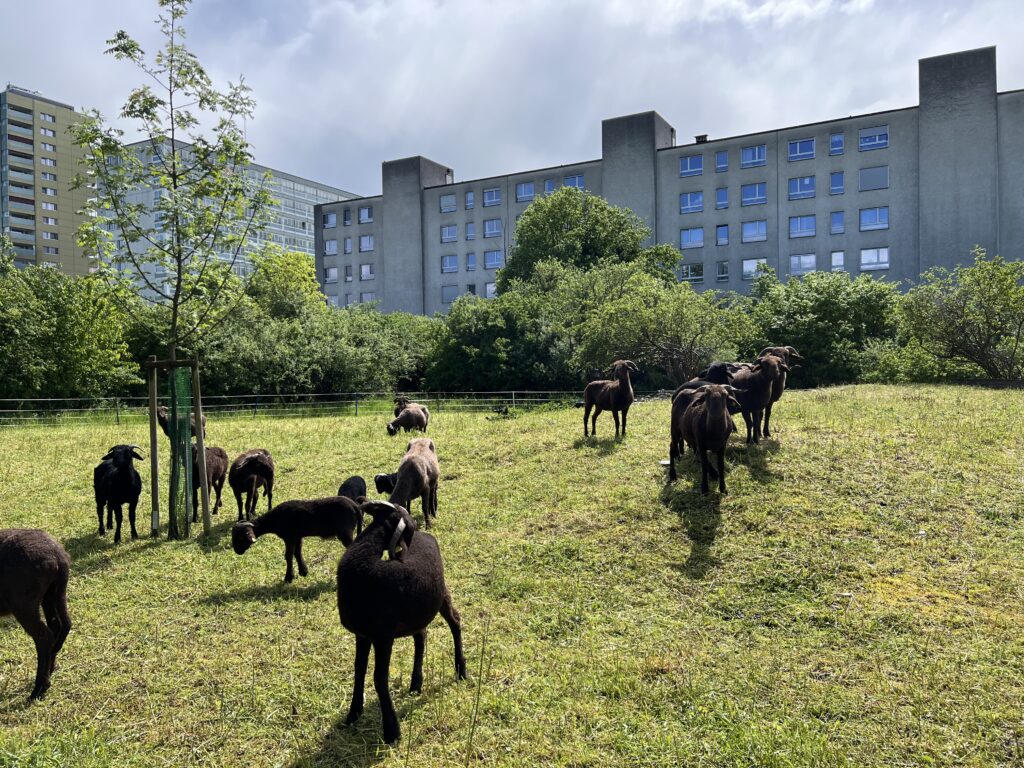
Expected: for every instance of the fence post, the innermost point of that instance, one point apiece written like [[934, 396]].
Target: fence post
[[255, 405], [117, 409], [154, 464], [513, 398], [357, 403]]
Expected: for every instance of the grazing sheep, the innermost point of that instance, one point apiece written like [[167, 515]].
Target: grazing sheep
[[402, 402], [163, 417], [34, 572], [417, 477], [614, 396], [380, 600], [248, 473], [788, 355], [115, 482], [408, 419], [702, 420], [334, 516], [755, 391], [216, 472], [385, 483], [353, 488]]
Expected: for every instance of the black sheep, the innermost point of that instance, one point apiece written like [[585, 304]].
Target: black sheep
[[115, 482], [787, 355], [385, 482], [353, 488], [755, 391], [380, 600], [614, 396], [333, 517], [249, 472], [34, 573], [216, 472], [705, 424]]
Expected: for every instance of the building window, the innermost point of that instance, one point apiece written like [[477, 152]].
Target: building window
[[754, 231], [836, 183], [524, 191], [722, 160], [802, 263], [837, 222], [754, 194], [346, 217], [549, 186], [470, 262], [367, 296], [348, 245], [874, 218], [751, 157], [348, 299], [801, 188], [874, 178], [365, 243], [332, 301], [493, 260], [691, 202], [366, 214], [471, 230], [471, 289], [447, 203], [348, 273], [48, 132], [721, 198], [449, 293], [691, 238], [51, 250], [330, 220], [490, 290], [449, 233], [50, 191], [836, 144], [47, 118], [492, 196], [838, 261], [874, 138], [692, 273], [801, 149], [801, 226], [330, 247], [50, 236], [366, 272], [575, 182], [449, 264], [49, 206], [470, 201], [874, 258], [50, 221], [722, 234], [47, 176], [750, 267], [492, 227], [722, 271], [330, 274], [47, 147], [691, 165]]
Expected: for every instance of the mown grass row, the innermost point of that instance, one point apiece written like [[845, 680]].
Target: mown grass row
[[855, 600]]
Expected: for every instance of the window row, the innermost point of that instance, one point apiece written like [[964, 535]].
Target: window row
[[364, 298], [450, 293], [492, 260], [330, 218], [871, 259], [366, 244], [800, 188], [756, 155], [799, 226], [365, 273], [525, 192], [450, 232]]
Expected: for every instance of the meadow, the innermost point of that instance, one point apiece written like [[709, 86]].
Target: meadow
[[857, 599]]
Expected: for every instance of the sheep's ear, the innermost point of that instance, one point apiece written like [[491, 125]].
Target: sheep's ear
[[632, 366], [109, 455], [136, 455], [734, 403], [793, 353], [783, 367]]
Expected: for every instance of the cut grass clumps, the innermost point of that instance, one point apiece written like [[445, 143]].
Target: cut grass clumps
[[855, 600]]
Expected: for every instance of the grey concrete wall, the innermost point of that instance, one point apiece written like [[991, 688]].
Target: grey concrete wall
[[1011, 175], [959, 164], [629, 148]]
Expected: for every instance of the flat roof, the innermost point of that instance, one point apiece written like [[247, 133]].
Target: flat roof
[[35, 96]]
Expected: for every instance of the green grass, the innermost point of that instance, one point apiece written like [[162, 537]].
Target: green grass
[[856, 599]]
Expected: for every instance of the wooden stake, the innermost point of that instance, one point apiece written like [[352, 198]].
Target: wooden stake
[[154, 464], [197, 409]]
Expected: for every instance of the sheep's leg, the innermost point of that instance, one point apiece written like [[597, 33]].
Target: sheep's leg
[[36, 628], [586, 418], [99, 514], [624, 412], [767, 418], [593, 423], [425, 498], [238, 499], [420, 642], [433, 501], [704, 467], [269, 493], [748, 420], [758, 415], [289, 555], [362, 659], [303, 571], [673, 454], [218, 486], [55, 609], [615, 415], [110, 515], [131, 517], [118, 516], [721, 469], [454, 621], [381, 669]]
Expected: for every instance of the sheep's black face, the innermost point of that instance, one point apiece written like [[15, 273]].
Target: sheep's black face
[[122, 455], [385, 483], [242, 537], [392, 430], [396, 520]]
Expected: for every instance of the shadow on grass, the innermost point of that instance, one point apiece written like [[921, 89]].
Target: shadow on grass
[[701, 516], [754, 457], [604, 446], [278, 590], [92, 552]]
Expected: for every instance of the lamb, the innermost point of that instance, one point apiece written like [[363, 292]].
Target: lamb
[[380, 600], [216, 471], [614, 396], [385, 483], [34, 572], [755, 391], [409, 418], [417, 477], [248, 473], [334, 516], [353, 488], [163, 417], [116, 482], [787, 355], [703, 421]]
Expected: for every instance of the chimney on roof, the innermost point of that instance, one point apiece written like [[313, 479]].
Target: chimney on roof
[[702, 138]]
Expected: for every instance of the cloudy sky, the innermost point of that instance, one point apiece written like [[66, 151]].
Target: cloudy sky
[[490, 87]]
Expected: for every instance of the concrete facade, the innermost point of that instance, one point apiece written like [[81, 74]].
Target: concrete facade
[[889, 194]]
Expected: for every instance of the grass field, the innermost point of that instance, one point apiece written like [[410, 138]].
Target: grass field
[[855, 600]]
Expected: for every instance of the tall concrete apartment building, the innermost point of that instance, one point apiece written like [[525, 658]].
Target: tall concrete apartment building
[[889, 194], [38, 160]]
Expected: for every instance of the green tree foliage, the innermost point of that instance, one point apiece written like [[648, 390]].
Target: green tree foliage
[[285, 284], [973, 315], [827, 316], [579, 229]]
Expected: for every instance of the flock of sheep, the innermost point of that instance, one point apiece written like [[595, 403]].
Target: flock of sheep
[[379, 599]]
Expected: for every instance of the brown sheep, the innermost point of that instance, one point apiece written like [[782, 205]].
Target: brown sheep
[[249, 472], [402, 402], [604, 395], [163, 418], [408, 419], [755, 387], [216, 472], [702, 420], [787, 355], [417, 477]]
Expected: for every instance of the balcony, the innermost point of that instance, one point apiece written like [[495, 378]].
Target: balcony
[[21, 235], [12, 128], [20, 175], [26, 161], [24, 251], [16, 206]]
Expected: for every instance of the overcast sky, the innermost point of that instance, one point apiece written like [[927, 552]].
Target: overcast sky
[[495, 87]]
